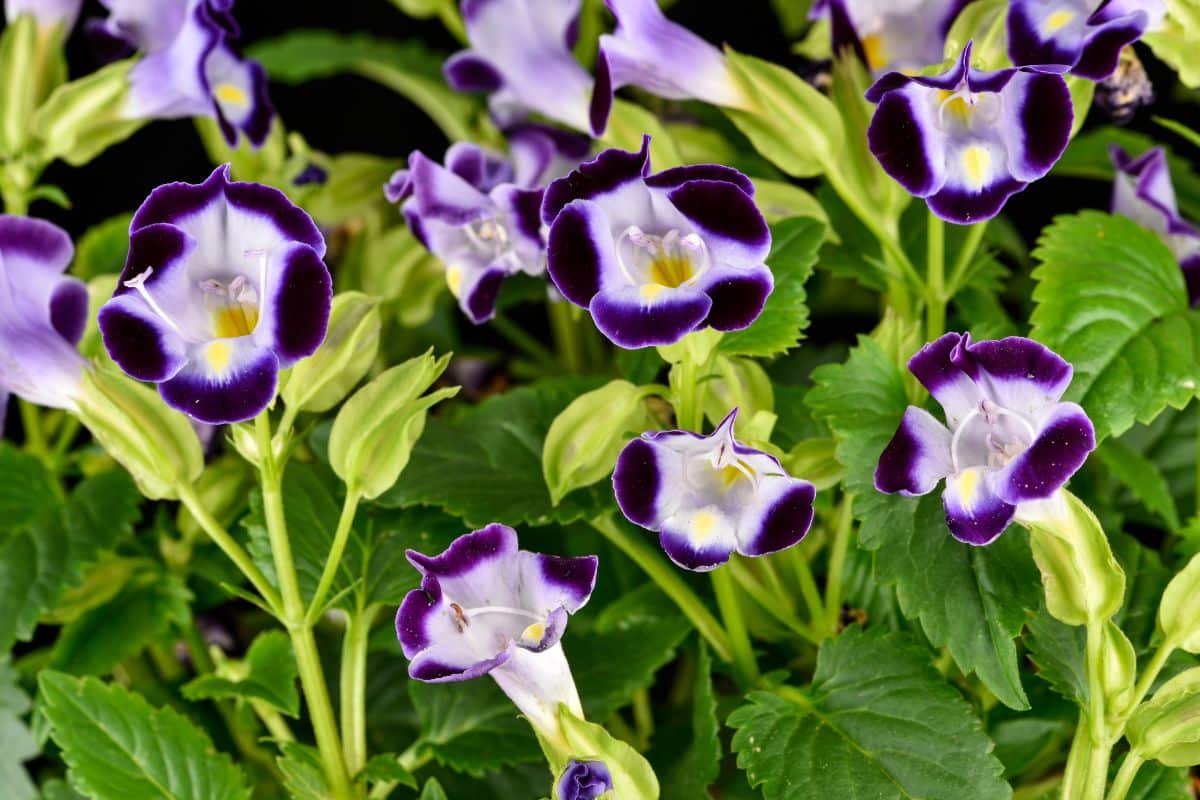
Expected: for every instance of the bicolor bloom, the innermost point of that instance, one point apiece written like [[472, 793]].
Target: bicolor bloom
[[188, 68], [1084, 35], [583, 780], [43, 314], [655, 257], [487, 608], [47, 13], [224, 285], [901, 35], [1007, 440], [1143, 192], [662, 57], [709, 496], [521, 56], [967, 140]]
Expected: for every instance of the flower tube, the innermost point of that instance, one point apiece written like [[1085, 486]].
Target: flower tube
[[48, 13]]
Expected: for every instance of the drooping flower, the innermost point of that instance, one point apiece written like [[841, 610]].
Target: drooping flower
[[521, 56], [485, 607], [1085, 35], [709, 496], [224, 285], [967, 140], [654, 257], [583, 780], [664, 58], [42, 314], [47, 13], [188, 67], [1007, 440], [1143, 192], [903, 35]]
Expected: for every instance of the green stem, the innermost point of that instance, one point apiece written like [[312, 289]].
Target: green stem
[[524, 342], [1150, 673], [769, 602], [643, 717], [935, 289], [334, 559], [745, 667], [354, 687], [970, 246], [837, 562], [808, 588], [411, 761], [1197, 455], [66, 436], [1125, 775], [31, 422], [566, 338], [667, 578], [275, 723], [1099, 753], [308, 658]]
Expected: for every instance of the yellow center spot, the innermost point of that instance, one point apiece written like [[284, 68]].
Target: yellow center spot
[[875, 51], [217, 354], [958, 106], [235, 320], [703, 525], [975, 161], [1057, 20], [228, 93], [649, 291], [968, 486], [670, 270], [534, 633], [732, 474], [454, 279]]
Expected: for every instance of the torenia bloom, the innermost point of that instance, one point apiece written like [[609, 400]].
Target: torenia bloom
[[967, 140], [1007, 440], [583, 780], [485, 607], [47, 13], [188, 68], [662, 57], [1084, 35], [708, 496], [902, 35], [223, 286], [655, 257], [42, 314], [1143, 192], [521, 55]]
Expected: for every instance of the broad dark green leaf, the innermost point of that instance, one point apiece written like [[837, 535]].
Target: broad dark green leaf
[[118, 747], [303, 775], [472, 727], [1026, 742], [878, 722], [1142, 477], [102, 248], [1057, 650], [701, 764], [26, 488], [385, 768], [17, 743], [271, 674], [1156, 782]]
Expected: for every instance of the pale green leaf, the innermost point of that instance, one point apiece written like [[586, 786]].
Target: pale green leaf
[[270, 676]]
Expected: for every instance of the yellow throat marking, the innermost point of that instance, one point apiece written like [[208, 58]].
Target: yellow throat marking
[[975, 162], [1058, 20], [958, 106], [454, 279], [233, 95], [703, 526], [217, 354], [968, 487], [875, 50], [534, 633], [670, 271], [235, 320]]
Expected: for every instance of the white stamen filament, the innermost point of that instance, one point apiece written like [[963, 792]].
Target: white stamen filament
[[138, 283], [262, 279], [990, 412], [516, 612]]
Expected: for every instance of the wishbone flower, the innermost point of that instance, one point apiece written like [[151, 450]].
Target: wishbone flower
[[1085, 35], [1007, 440], [903, 35]]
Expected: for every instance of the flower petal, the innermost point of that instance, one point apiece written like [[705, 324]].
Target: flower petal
[[139, 341], [467, 71], [556, 582], [677, 176], [440, 194], [738, 295], [32, 244], [975, 514], [1017, 373], [478, 167], [439, 650], [69, 309], [295, 309], [470, 568], [580, 254], [610, 171], [224, 381], [699, 539], [732, 226], [633, 317], [780, 517], [239, 91], [646, 481], [950, 386], [917, 457], [476, 290], [902, 136], [1063, 443], [1038, 127]]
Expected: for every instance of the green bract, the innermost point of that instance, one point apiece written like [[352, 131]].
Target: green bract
[[322, 381]]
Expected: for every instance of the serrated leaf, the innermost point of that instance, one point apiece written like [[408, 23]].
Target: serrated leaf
[[1057, 650], [472, 727], [17, 743], [303, 775], [1142, 478], [271, 674], [386, 767], [794, 246], [118, 747], [26, 488], [701, 764], [878, 722], [1111, 300], [433, 790]]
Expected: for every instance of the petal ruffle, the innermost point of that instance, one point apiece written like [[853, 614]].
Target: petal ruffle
[[580, 254], [634, 318], [139, 341], [295, 309], [779, 519], [607, 173], [1017, 373], [738, 296], [917, 457], [224, 381]]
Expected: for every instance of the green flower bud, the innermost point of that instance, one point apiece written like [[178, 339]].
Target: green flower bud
[[1179, 610], [584, 440], [18, 48], [632, 775], [82, 118], [743, 384], [1167, 726], [1119, 669], [320, 382]]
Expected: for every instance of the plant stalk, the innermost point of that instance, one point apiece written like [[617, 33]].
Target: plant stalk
[[745, 666]]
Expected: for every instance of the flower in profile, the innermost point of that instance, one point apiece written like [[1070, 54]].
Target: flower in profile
[[224, 285], [520, 55], [967, 140], [47, 13], [1007, 440], [664, 58], [42, 314], [1143, 192], [188, 68], [708, 496], [583, 780], [1086, 36], [655, 257], [485, 607], [905, 36]]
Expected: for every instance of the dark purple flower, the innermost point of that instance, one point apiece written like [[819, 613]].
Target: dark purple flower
[[1143, 192], [1007, 438], [655, 257], [583, 780], [709, 496], [967, 140], [902, 35], [1084, 35], [224, 285]]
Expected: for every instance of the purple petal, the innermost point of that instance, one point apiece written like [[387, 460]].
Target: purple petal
[[469, 552], [699, 539], [903, 139], [69, 309], [608, 172], [917, 457], [542, 153], [299, 293], [565, 582], [732, 226], [1063, 443], [950, 386], [630, 318], [466, 71], [642, 482], [224, 381], [580, 251], [781, 519], [139, 341], [584, 780], [738, 296], [477, 291], [678, 176], [478, 167], [1037, 133], [239, 90], [523, 207], [399, 187], [968, 205], [975, 514], [29, 244], [443, 195], [1018, 373]]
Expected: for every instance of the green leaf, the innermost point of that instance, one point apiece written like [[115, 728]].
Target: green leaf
[[1156, 782], [971, 599], [118, 747], [1142, 477], [794, 246], [433, 790], [690, 778], [17, 743], [1111, 300], [386, 768], [270, 674], [632, 775], [472, 727], [878, 722], [1057, 650], [486, 466], [26, 488], [303, 774], [102, 248]]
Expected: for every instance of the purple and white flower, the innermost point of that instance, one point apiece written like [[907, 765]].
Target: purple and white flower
[[224, 285], [1143, 192], [1084, 35], [521, 56], [1007, 440], [487, 608], [902, 35], [664, 58], [967, 140], [655, 257], [47, 13], [43, 314], [188, 67], [583, 780], [709, 496]]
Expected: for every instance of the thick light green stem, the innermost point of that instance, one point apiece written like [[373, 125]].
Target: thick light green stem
[[769, 602], [808, 589], [1149, 674], [1093, 724], [566, 335], [970, 246], [935, 289], [837, 562], [1125, 775], [334, 559], [31, 422], [354, 687], [745, 667]]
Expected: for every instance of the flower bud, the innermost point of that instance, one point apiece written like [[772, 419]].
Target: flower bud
[[1119, 670], [1167, 726], [1179, 610], [584, 440], [222, 489], [321, 381], [743, 384], [82, 118], [631, 775]]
